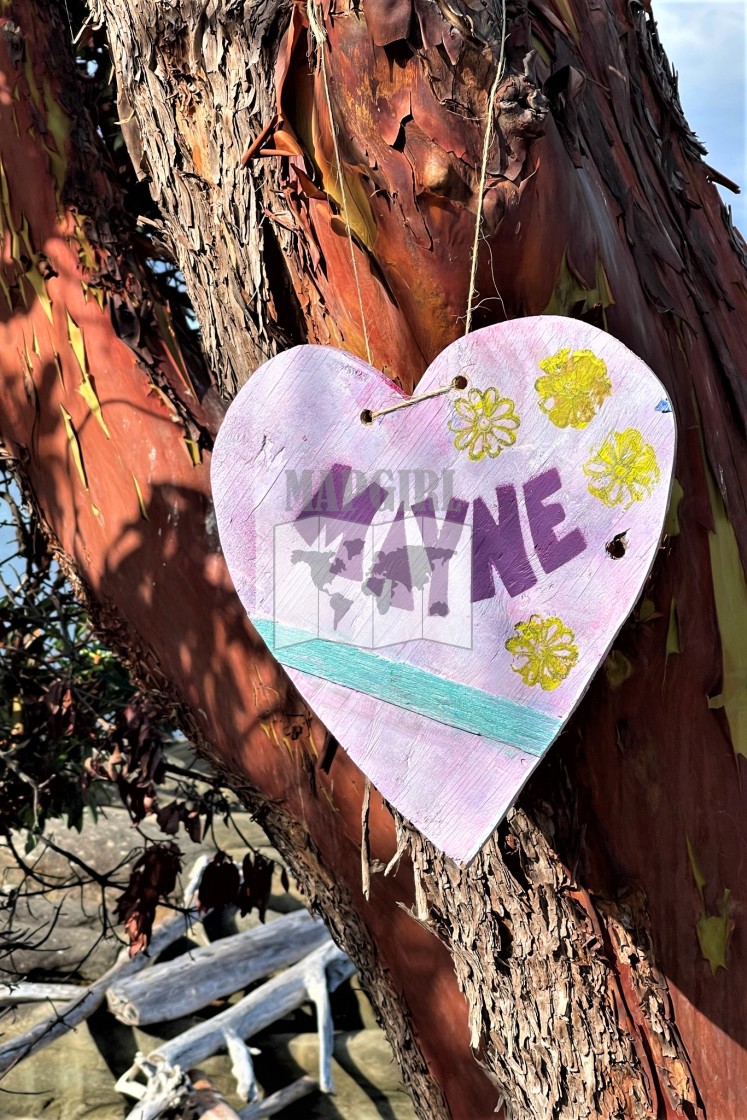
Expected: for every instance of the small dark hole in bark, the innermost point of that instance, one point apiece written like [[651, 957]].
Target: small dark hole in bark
[[366, 416], [459, 382], [507, 941], [512, 859]]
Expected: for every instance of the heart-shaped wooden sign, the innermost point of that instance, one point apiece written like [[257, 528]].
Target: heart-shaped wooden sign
[[442, 580]]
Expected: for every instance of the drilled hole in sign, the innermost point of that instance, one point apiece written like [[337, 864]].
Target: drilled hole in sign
[[617, 547], [459, 382], [367, 416]]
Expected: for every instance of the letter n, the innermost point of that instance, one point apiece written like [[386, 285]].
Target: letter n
[[499, 546]]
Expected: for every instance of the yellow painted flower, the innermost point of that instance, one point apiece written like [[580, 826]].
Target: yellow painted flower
[[573, 388], [485, 423], [623, 470], [547, 650]]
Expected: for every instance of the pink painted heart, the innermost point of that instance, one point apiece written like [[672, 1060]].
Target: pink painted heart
[[442, 581]]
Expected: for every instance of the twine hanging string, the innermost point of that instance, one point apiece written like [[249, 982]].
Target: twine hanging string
[[368, 416], [484, 169], [320, 35]]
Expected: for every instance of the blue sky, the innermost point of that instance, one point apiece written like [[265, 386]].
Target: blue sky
[[706, 42]]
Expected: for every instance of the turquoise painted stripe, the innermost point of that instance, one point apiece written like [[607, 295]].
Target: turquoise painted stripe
[[409, 687]]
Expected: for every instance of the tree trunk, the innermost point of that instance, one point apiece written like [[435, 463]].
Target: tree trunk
[[583, 952]]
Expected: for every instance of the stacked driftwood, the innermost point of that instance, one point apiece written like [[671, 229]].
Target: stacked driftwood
[[294, 950]]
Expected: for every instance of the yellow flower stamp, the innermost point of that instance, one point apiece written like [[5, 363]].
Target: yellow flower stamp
[[485, 423], [623, 470], [573, 388], [544, 651]]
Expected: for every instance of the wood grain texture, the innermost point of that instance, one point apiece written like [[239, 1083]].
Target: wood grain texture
[[443, 582], [175, 988]]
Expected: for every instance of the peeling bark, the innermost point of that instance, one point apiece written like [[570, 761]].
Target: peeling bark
[[553, 1014], [194, 80], [576, 937]]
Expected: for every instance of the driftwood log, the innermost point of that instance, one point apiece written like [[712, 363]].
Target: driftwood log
[[278, 997], [87, 999], [167, 1090], [311, 979], [179, 987], [26, 992], [284, 1097], [74, 1011]]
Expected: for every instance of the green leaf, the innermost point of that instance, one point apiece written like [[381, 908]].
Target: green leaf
[[714, 934], [672, 520], [730, 589], [617, 668]]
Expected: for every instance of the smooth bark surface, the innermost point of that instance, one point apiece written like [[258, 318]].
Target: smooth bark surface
[[588, 937]]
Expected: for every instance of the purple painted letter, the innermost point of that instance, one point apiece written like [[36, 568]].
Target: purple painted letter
[[342, 515], [500, 547], [552, 551], [440, 546]]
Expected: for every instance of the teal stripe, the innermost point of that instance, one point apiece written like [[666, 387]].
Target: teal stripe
[[407, 686]]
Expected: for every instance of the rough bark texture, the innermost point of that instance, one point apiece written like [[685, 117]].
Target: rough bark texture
[[615, 1046], [194, 80], [589, 934], [105, 428]]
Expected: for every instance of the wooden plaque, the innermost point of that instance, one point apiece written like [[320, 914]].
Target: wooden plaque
[[442, 581]]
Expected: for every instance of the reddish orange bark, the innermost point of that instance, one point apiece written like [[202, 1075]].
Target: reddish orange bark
[[611, 215], [140, 533], [632, 235]]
